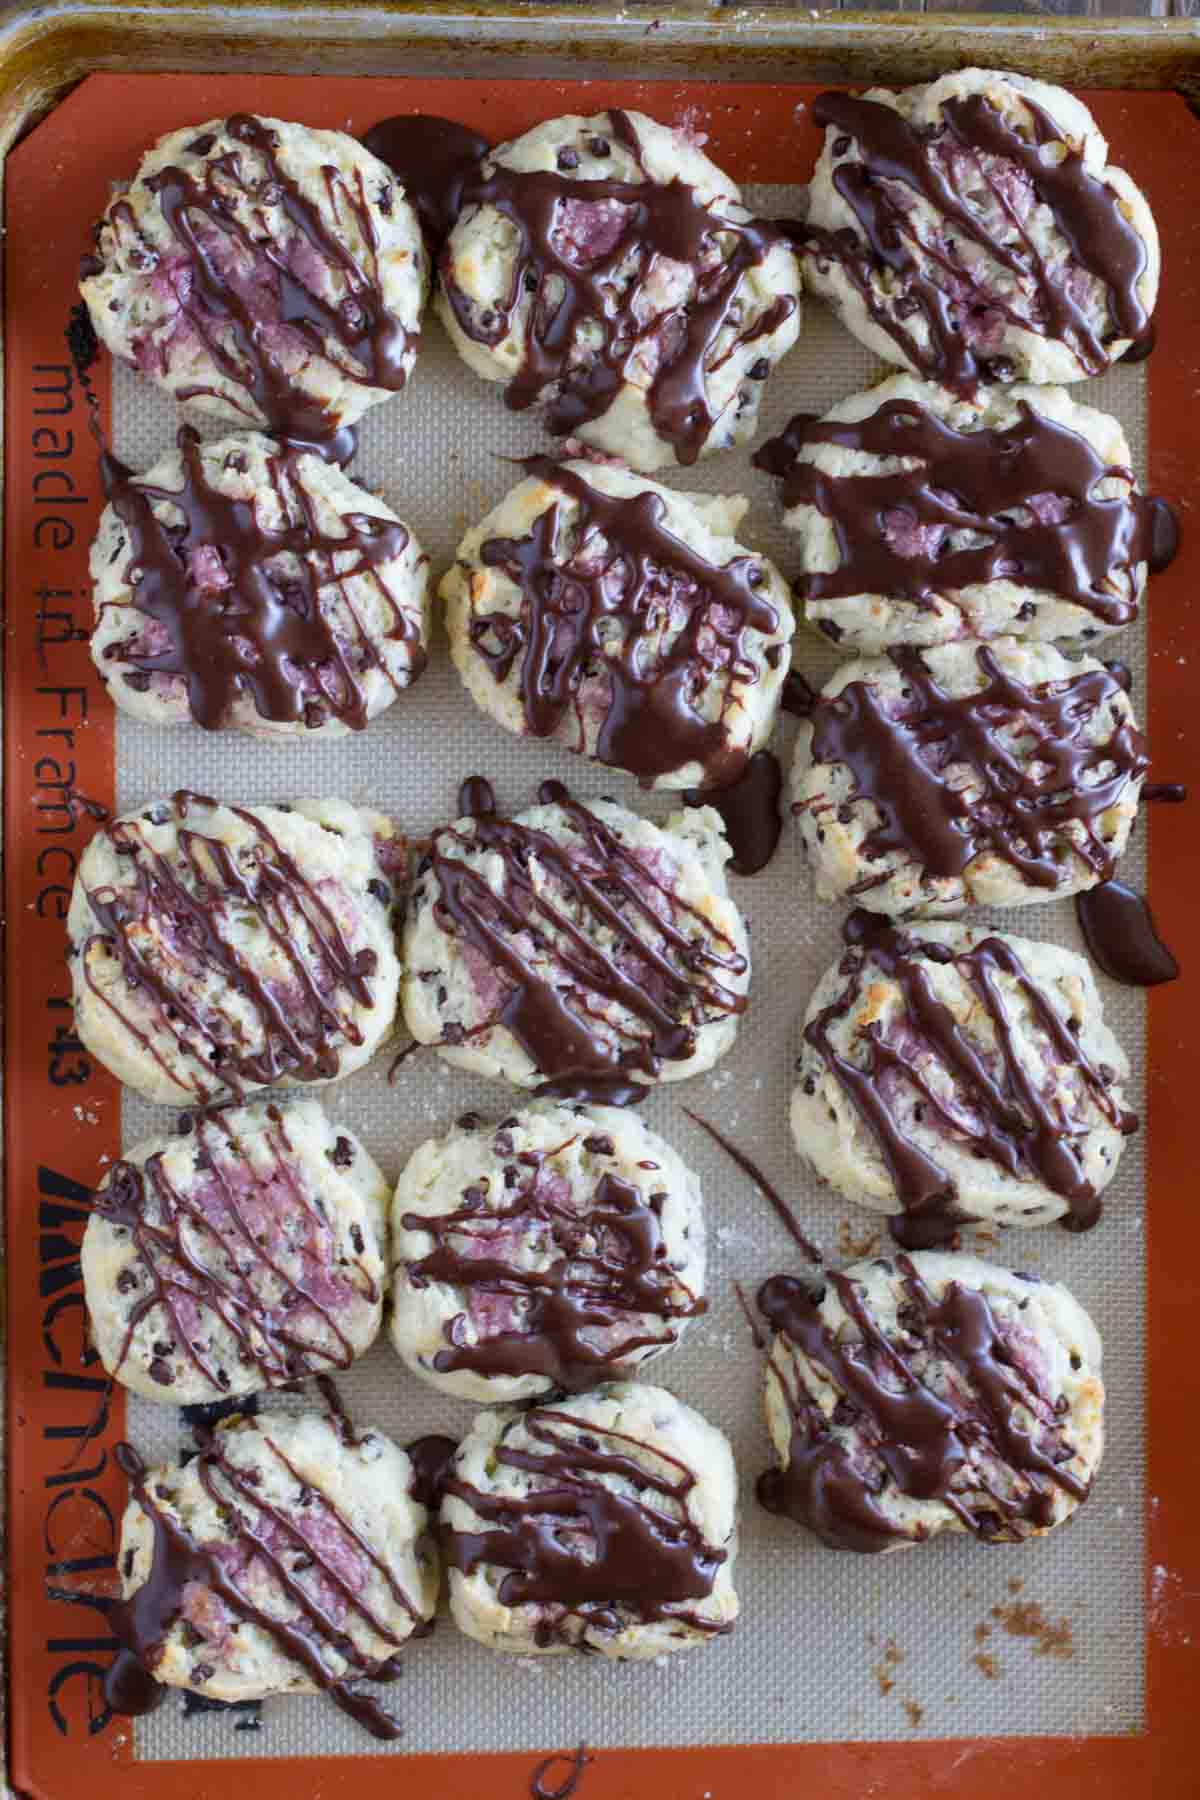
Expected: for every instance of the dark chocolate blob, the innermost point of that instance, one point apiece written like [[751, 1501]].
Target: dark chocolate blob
[[749, 809], [994, 1106], [583, 1316], [766, 1188], [432, 159], [582, 1550], [575, 1762], [198, 902], [431, 1458], [239, 603], [1119, 928], [974, 147], [1170, 793], [662, 979], [594, 1090], [901, 751], [583, 255], [1026, 494], [620, 617], [925, 1443], [272, 1275], [799, 695], [241, 292], [257, 1531]]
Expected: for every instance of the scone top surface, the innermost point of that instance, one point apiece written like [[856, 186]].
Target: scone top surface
[[972, 230], [624, 620], [288, 1556], [554, 1250], [575, 946], [606, 269], [988, 774], [953, 1072], [245, 583], [217, 949], [925, 516], [263, 272], [604, 1522], [244, 1253], [930, 1393]]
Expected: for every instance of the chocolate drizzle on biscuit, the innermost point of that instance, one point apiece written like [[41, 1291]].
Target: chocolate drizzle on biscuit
[[908, 277], [1034, 768], [584, 1282], [583, 305], [198, 900], [749, 811], [240, 607], [272, 1280], [280, 270], [286, 1546], [433, 159], [988, 1441], [1024, 496], [982, 1097], [619, 616], [580, 1011], [594, 1557]]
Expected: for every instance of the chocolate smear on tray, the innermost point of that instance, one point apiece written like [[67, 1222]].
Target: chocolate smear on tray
[[588, 1554], [620, 617], [257, 327], [431, 1458], [1026, 493], [992, 1104], [582, 1315], [199, 902], [247, 1245], [1119, 928], [766, 1188], [974, 146], [575, 1763], [237, 606], [901, 750], [433, 159], [257, 1531], [585, 251], [1169, 793], [662, 979], [928, 1444], [749, 809]]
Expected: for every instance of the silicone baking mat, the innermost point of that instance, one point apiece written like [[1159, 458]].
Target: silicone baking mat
[[858, 1666]]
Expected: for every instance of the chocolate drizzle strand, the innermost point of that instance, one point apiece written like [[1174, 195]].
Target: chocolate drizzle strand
[[585, 1308], [266, 284], [946, 290], [433, 159], [235, 608], [1019, 503], [575, 1763], [242, 1253], [985, 1439], [766, 1188], [907, 756], [196, 901], [622, 621], [585, 1014], [986, 1102], [1120, 932], [592, 1556], [431, 1458], [318, 1564], [584, 253]]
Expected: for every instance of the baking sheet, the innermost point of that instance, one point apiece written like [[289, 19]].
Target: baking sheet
[[829, 1647]]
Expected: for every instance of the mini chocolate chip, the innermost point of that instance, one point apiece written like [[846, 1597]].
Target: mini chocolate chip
[[832, 631], [125, 1281], [160, 1372], [314, 715], [356, 1238], [366, 962], [599, 146], [342, 1154], [137, 681], [202, 1672], [568, 159], [760, 370], [468, 1121], [598, 1144], [379, 890]]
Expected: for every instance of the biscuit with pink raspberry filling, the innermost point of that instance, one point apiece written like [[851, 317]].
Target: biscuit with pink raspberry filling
[[607, 272], [217, 949], [919, 1394], [973, 231], [561, 1248], [245, 1252], [288, 1557], [266, 274]]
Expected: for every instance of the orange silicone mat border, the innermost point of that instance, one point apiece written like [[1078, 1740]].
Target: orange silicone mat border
[[63, 1113]]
